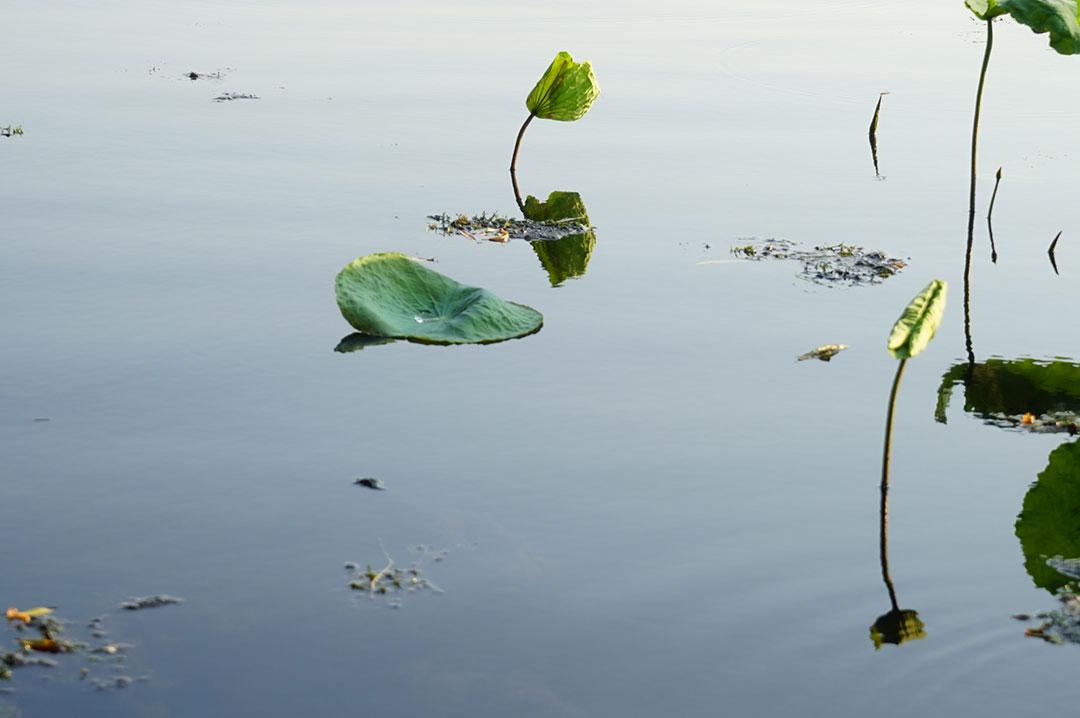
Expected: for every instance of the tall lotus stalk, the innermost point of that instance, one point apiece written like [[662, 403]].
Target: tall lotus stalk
[[910, 334], [1060, 18], [565, 92]]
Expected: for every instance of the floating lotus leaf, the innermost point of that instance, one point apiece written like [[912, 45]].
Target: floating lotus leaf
[[1049, 523], [565, 92], [917, 325], [1000, 388], [569, 256], [897, 627], [390, 295], [1060, 18]]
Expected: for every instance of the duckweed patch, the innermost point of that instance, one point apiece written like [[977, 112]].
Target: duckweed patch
[[830, 265]]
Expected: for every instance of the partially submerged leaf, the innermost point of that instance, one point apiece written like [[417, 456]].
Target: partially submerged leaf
[[1049, 523], [390, 295], [917, 325], [569, 256], [825, 352], [1060, 18], [1001, 391], [566, 90]]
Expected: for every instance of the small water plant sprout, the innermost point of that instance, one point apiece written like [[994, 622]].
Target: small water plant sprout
[[565, 92]]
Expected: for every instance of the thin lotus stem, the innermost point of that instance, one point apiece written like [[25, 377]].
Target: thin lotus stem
[[990, 215], [513, 162], [886, 458], [1053, 247], [971, 193], [873, 133]]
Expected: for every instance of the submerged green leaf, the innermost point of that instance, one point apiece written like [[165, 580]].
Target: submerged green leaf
[[1060, 18], [568, 256], [916, 326], [390, 295], [566, 90], [1049, 523]]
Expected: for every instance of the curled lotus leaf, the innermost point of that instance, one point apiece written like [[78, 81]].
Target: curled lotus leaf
[[390, 295], [565, 91], [917, 325], [1059, 18]]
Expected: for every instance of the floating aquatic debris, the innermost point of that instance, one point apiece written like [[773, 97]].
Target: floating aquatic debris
[[392, 580], [230, 96], [137, 604], [1054, 422], [497, 228], [1061, 625], [825, 352], [844, 264], [370, 483], [217, 75], [11, 131]]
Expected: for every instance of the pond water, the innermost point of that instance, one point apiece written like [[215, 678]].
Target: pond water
[[648, 507]]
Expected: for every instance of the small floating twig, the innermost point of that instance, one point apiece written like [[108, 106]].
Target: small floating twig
[[990, 214], [1053, 246]]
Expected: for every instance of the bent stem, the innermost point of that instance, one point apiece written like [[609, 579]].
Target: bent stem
[[971, 193], [513, 162], [990, 217], [886, 458]]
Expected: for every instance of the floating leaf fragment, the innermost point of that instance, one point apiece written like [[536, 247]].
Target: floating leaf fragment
[[825, 352], [14, 614], [370, 483], [919, 321], [389, 295]]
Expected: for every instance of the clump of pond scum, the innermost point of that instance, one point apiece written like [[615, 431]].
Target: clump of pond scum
[[230, 96], [497, 228], [391, 581], [44, 643], [1061, 625], [161, 599], [830, 265]]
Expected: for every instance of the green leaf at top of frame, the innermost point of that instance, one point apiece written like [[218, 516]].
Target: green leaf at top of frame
[[565, 92], [916, 326], [390, 295], [1060, 18]]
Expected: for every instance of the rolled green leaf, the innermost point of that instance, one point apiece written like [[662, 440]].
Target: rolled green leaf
[[565, 92], [390, 295], [916, 326], [1060, 18]]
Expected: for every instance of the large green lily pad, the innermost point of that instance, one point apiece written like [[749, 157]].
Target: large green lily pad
[[1060, 18], [1049, 523], [568, 256], [1001, 391], [390, 295]]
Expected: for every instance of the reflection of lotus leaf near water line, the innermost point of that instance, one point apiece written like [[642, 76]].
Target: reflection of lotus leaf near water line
[[1041, 396]]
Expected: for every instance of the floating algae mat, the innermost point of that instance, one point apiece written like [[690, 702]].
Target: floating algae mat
[[391, 295], [844, 264], [497, 228]]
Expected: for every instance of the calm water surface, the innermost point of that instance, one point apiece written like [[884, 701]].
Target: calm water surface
[[648, 508]]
